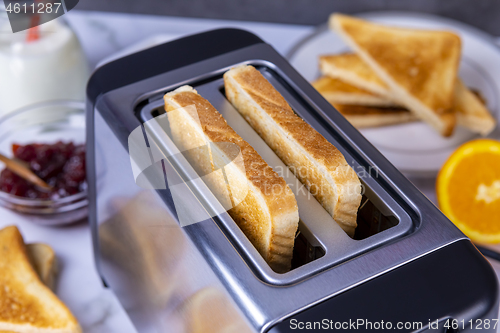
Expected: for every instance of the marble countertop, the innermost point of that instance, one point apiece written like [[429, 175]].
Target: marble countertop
[[101, 35]]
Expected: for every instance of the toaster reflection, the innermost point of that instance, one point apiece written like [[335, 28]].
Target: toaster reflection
[[164, 282]]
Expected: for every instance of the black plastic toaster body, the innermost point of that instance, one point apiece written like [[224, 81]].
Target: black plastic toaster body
[[408, 267]]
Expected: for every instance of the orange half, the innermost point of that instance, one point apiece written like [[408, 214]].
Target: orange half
[[468, 190]]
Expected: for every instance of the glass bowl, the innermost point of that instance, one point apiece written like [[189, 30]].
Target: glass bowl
[[45, 123]]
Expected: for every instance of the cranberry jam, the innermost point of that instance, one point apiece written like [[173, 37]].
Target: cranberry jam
[[61, 165]]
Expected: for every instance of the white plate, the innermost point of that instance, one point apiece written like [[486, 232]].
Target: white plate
[[415, 148]]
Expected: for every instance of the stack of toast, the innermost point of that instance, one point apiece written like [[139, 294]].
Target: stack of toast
[[398, 75], [263, 205], [27, 304]]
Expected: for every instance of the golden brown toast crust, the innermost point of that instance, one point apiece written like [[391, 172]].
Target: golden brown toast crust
[[350, 68], [314, 160], [329, 84], [337, 91], [470, 111], [366, 116], [26, 305], [419, 66], [417, 60], [271, 228]]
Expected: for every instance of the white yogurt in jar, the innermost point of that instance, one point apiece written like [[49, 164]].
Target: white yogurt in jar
[[50, 68]]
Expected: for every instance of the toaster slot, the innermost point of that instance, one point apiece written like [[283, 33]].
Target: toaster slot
[[373, 215], [371, 220], [320, 243], [307, 246], [303, 250]]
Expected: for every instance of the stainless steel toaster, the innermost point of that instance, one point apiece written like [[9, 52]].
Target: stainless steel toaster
[[408, 268]]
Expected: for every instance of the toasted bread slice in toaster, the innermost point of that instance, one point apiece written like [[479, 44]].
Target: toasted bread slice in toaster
[[369, 116], [420, 67], [339, 92], [26, 304], [470, 111], [268, 213], [316, 162]]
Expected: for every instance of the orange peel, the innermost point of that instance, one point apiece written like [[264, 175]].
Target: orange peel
[[468, 190]]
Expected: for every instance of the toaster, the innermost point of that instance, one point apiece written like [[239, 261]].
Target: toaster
[[178, 262]]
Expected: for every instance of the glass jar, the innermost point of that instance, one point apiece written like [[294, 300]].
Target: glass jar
[[51, 67]]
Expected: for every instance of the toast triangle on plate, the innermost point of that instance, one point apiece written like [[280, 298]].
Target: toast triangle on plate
[[349, 68], [268, 212], [470, 111], [369, 116], [337, 91], [360, 107], [26, 304], [419, 66], [317, 163]]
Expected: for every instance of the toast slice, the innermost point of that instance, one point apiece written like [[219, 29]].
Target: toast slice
[[419, 67], [26, 304], [316, 162], [339, 92], [268, 213], [44, 261], [368, 116], [360, 107], [470, 111], [351, 69]]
